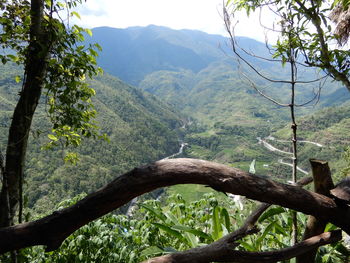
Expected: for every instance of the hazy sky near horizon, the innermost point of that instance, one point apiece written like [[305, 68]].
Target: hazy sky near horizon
[[204, 15]]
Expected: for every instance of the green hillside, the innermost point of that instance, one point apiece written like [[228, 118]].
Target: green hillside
[[329, 128], [134, 52], [229, 114], [193, 72], [186, 69], [141, 129], [321, 135]]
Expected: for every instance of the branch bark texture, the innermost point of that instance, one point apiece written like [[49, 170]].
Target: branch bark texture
[[53, 229]]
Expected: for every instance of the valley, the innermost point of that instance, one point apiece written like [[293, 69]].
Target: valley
[[226, 113], [141, 129], [183, 92]]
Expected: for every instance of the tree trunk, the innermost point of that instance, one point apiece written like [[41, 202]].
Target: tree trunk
[[35, 69]]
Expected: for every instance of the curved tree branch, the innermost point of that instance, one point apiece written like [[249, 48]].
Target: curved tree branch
[[53, 229], [220, 251]]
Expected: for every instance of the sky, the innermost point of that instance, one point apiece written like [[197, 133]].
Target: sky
[[204, 15]]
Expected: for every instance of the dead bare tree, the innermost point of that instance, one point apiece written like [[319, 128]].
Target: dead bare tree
[[287, 56]]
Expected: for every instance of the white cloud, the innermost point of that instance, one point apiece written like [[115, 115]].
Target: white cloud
[[258, 25], [204, 15]]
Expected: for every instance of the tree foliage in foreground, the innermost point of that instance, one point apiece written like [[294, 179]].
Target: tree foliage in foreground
[[157, 229], [52, 230]]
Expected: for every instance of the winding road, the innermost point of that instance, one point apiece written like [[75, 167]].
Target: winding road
[[271, 138], [291, 165], [274, 149]]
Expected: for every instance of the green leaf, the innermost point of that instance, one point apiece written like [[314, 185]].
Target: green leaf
[[76, 14], [99, 48], [13, 58], [157, 214], [169, 250], [224, 214], [247, 246], [279, 229], [151, 251], [52, 137], [18, 79], [266, 231], [169, 230], [216, 229], [172, 218], [193, 231], [71, 157], [342, 249], [271, 212], [252, 167], [191, 239], [330, 227], [88, 31]]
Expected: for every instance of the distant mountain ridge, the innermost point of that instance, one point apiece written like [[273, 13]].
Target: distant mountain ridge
[[134, 52], [195, 72], [191, 69]]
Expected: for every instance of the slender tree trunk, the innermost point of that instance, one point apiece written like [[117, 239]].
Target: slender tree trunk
[[294, 139], [35, 69]]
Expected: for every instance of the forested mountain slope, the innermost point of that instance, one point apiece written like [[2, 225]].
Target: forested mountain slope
[[141, 129], [328, 130], [134, 52], [197, 73], [227, 114]]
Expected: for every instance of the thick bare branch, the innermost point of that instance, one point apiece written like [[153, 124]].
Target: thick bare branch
[[53, 229], [223, 252]]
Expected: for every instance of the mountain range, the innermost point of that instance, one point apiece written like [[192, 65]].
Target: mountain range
[[159, 81], [134, 52], [197, 74]]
